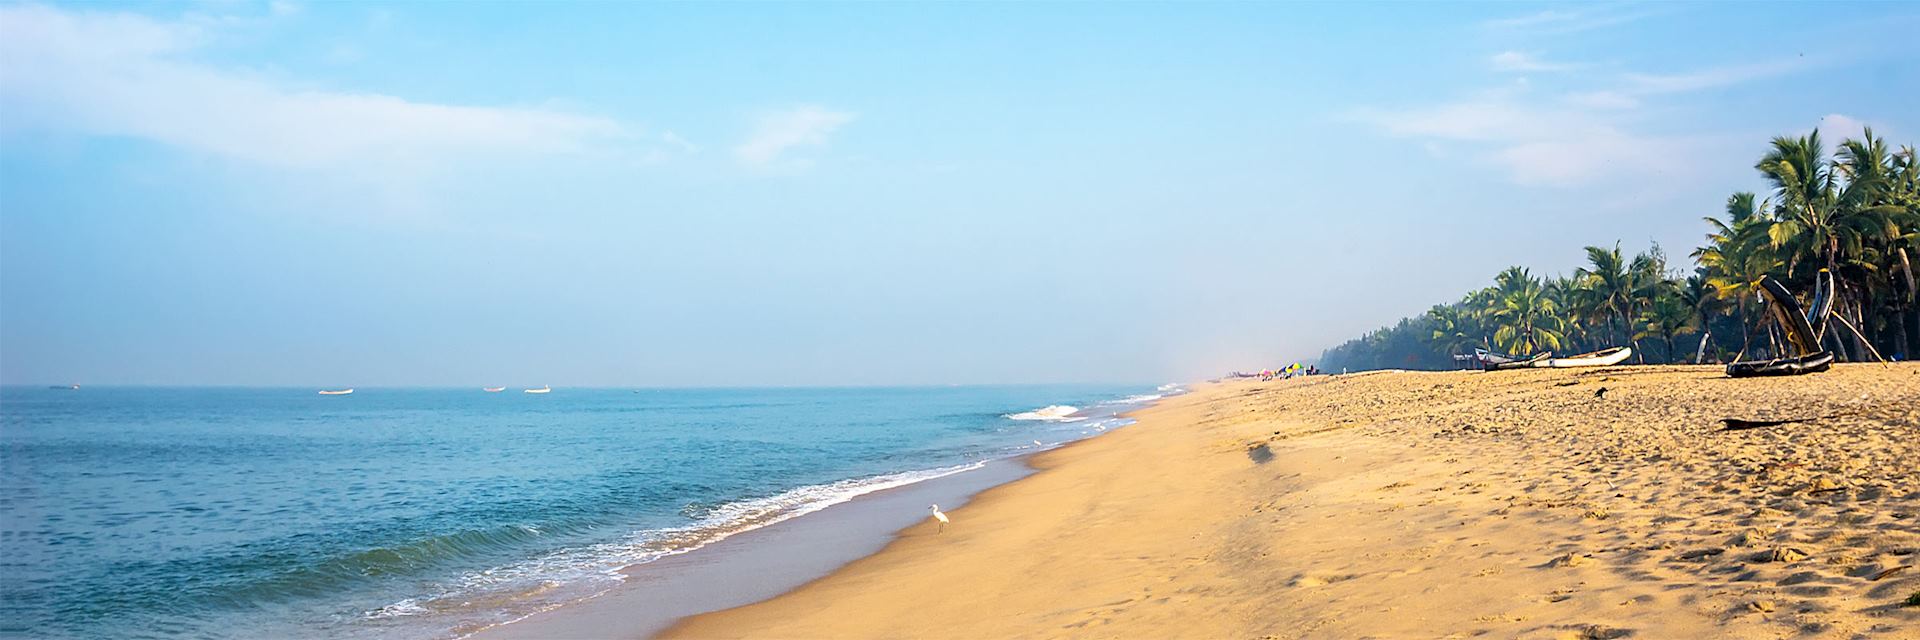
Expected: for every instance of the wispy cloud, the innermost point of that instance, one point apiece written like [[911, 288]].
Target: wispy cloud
[[1524, 62], [1715, 77], [1611, 100], [1565, 21], [121, 74], [1533, 144], [1573, 138], [779, 132], [1835, 127]]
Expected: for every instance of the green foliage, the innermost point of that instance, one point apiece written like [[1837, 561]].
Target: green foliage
[[1855, 213]]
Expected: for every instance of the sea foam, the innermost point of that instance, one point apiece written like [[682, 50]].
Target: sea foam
[[1052, 413]]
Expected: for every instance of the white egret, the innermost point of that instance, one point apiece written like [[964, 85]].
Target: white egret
[[937, 515]]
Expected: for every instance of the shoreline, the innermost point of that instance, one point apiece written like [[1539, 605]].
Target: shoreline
[[754, 565], [1424, 504], [765, 562]]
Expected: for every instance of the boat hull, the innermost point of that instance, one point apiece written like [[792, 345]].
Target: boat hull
[[1793, 366], [1602, 358]]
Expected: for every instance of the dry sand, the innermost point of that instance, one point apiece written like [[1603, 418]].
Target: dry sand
[[1421, 505]]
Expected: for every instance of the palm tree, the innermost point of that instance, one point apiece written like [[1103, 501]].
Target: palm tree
[[1665, 316], [1612, 282], [1827, 211], [1454, 329], [1737, 255], [1884, 212], [1524, 315], [1697, 293]]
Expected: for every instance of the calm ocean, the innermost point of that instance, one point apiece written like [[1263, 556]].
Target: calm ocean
[[421, 513]]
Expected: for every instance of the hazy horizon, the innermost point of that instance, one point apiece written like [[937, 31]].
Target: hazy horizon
[[742, 195]]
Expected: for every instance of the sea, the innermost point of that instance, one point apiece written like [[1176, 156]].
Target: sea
[[142, 512]]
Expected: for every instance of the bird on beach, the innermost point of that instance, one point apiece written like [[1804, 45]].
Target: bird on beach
[[1600, 393], [937, 515]]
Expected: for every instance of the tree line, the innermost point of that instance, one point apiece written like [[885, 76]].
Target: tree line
[[1854, 212]]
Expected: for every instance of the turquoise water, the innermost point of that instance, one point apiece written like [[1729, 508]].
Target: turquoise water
[[422, 513]]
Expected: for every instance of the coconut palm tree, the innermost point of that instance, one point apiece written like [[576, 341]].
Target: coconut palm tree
[[1697, 293], [1666, 315], [1524, 315], [1454, 329]]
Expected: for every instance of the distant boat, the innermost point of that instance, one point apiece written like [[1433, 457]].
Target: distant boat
[[65, 387], [545, 389], [340, 392], [493, 389]]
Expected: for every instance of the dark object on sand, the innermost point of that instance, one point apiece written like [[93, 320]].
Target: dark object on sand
[[1799, 325], [1792, 319], [1737, 424], [1793, 366], [1600, 393], [1821, 307]]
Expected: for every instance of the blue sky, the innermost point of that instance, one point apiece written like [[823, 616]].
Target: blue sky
[[739, 194]]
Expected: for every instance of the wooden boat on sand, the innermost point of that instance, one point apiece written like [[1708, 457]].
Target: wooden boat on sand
[[1601, 358], [1499, 362], [1811, 363]]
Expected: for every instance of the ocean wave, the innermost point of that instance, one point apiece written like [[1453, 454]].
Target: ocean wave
[[1137, 399], [1052, 413], [1171, 386], [596, 567]]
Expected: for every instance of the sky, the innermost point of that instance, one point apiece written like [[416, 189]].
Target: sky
[[603, 194]]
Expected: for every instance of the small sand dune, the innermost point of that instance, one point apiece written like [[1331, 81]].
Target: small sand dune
[[1421, 505]]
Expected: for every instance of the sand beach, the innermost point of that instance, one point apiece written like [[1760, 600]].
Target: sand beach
[[1600, 503]]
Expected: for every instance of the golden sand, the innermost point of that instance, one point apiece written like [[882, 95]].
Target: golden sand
[[1421, 505]]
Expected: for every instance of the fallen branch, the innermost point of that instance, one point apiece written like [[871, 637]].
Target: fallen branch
[[1737, 424]]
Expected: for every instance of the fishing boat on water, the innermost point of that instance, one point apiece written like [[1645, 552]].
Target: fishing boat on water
[[493, 389], [335, 392], [543, 389]]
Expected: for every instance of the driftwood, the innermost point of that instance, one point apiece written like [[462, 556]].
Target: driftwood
[[1739, 424]]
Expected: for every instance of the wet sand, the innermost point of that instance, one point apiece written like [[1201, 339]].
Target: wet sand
[[754, 565], [1514, 504]]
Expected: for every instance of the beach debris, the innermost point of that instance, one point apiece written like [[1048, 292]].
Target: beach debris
[[1823, 484], [1883, 574], [1701, 553], [1598, 632], [1786, 554], [1762, 606], [1600, 393], [1568, 560], [1742, 424], [1751, 537], [1913, 600]]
